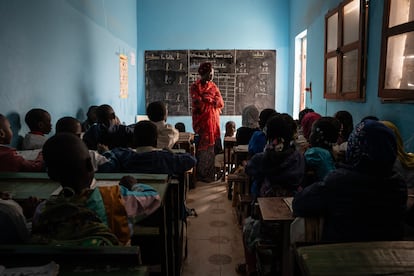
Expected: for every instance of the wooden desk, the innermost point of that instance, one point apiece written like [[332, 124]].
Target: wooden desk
[[228, 145], [363, 258], [76, 260], [185, 142], [241, 152], [275, 209]]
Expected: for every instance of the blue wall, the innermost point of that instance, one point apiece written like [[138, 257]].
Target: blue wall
[[216, 24], [63, 56]]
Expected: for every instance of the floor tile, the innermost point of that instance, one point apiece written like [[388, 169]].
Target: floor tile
[[214, 237]]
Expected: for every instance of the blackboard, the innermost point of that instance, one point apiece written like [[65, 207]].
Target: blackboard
[[244, 77]]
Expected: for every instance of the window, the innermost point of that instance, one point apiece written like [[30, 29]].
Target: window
[[397, 51], [299, 99], [345, 51]]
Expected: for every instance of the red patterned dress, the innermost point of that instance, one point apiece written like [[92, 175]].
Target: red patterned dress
[[206, 108]]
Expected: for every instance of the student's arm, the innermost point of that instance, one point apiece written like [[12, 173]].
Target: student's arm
[[182, 162], [36, 165]]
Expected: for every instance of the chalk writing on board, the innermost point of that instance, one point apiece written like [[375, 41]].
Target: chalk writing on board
[[244, 77]]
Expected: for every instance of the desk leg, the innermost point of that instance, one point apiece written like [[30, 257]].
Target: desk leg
[[286, 254]]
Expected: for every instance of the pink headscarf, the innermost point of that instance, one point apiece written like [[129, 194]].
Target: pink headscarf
[[307, 123]]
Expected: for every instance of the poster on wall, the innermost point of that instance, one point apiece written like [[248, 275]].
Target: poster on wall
[[123, 76]]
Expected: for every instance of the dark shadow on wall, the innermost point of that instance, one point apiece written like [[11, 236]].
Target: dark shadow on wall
[[17, 140]]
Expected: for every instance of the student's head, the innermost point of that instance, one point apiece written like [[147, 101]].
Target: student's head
[[145, 134], [180, 127], [128, 181], [372, 148], [279, 130], [325, 132], [105, 115], [303, 112], [91, 114], [39, 120], [250, 116], [307, 122], [370, 117], [68, 161], [69, 124], [157, 111], [6, 133], [264, 115], [347, 124], [230, 129], [206, 71]]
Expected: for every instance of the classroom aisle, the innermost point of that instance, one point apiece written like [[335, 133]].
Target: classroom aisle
[[214, 237]]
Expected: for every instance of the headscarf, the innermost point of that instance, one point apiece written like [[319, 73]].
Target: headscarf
[[307, 123], [372, 147], [406, 158], [250, 117], [204, 68]]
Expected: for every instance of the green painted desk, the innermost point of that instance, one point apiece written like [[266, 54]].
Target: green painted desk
[[360, 258], [24, 185], [31, 176], [76, 260]]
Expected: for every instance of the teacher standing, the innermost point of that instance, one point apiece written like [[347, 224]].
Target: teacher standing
[[206, 108]]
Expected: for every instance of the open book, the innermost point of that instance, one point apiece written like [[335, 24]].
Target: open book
[[288, 201]]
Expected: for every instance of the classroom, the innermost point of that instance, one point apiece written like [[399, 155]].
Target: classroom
[[66, 55]]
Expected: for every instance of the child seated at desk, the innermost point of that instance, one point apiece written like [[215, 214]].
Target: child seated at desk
[[100, 162], [39, 122], [278, 171], [319, 157], [108, 131], [364, 200], [167, 134], [81, 210], [13, 228], [257, 142], [10, 160], [250, 124], [147, 158]]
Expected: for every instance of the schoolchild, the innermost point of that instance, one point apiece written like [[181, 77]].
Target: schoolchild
[[10, 160], [167, 134], [39, 122], [108, 131]]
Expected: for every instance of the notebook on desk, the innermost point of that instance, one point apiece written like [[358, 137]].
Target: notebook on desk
[[288, 201]]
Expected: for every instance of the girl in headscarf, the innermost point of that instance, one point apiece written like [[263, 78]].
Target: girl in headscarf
[[307, 121], [319, 157], [405, 162], [250, 124], [363, 200], [206, 108], [279, 170]]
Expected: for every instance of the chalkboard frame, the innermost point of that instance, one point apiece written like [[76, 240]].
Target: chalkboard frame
[[244, 77]]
